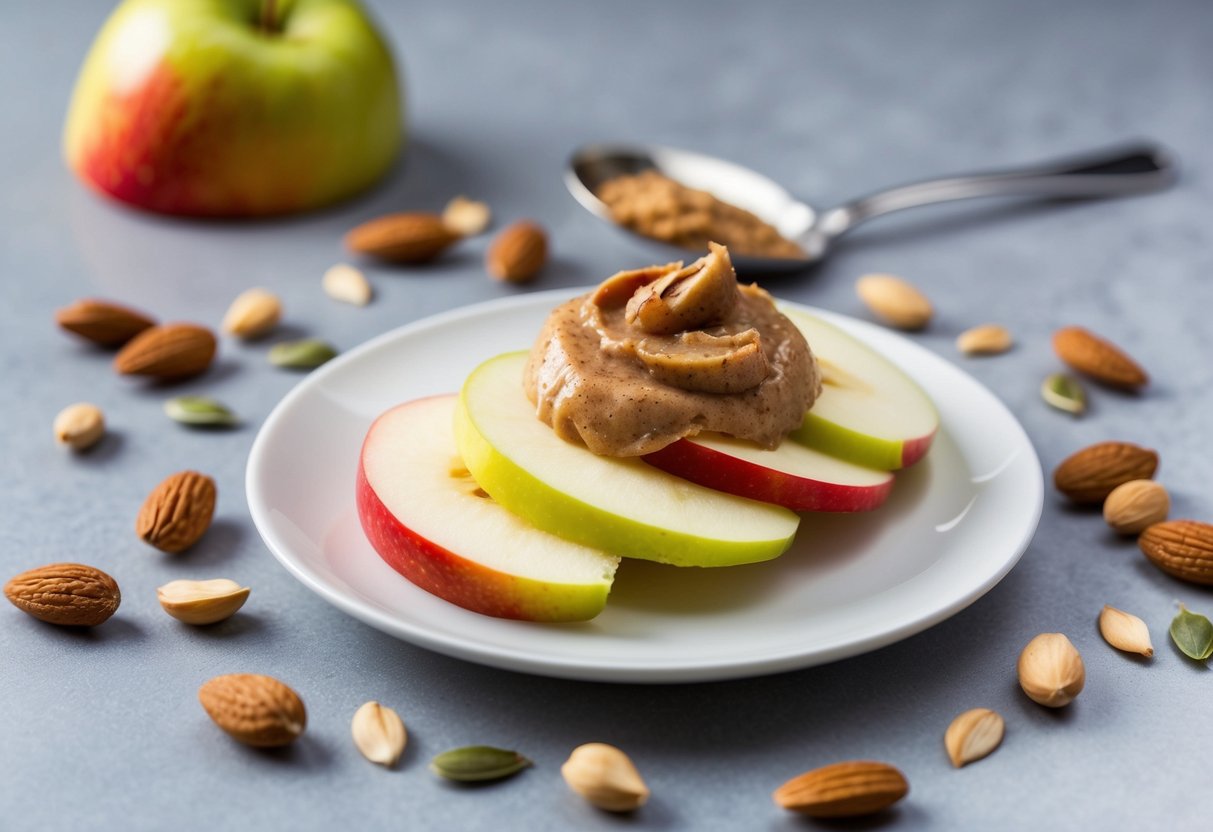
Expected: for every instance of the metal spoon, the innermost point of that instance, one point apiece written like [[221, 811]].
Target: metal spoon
[[1125, 169]]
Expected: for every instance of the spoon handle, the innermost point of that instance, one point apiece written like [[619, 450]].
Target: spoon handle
[[1116, 171]]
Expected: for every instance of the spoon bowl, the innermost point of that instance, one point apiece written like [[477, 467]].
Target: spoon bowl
[[1121, 170]]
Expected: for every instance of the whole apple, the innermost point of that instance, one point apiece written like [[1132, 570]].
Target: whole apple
[[229, 108]]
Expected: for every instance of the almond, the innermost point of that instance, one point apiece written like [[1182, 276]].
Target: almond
[[349, 285], [80, 426], [518, 253], [973, 736], [894, 300], [202, 602], [843, 790], [1051, 671], [1098, 358], [606, 777], [402, 238], [68, 594], [987, 339], [1125, 631], [253, 314], [1091, 474], [466, 217], [1181, 548], [177, 512], [102, 322], [167, 352], [1136, 504], [253, 709], [379, 733]]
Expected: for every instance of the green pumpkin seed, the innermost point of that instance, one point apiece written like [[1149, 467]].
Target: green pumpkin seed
[[478, 763], [1064, 393], [200, 411], [307, 354]]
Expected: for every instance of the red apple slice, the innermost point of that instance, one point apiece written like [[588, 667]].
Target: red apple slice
[[426, 517], [792, 475]]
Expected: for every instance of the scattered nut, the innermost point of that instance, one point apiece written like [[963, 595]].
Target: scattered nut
[[987, 339], [1125, 631], [202, 602], [1091, 474], [253, 709], [1064, 393], [518, 253], [253, 314], [349, 285], [402, 238], [894, 300], [379, 733], [1050, 670], [1136, 504], [1181, 548], [466, 217], [973, 735], [1098, 358], [605, 777], [843, 790], [80, 426], [67, 594], [167, 352], [177, 512], [104, 323]]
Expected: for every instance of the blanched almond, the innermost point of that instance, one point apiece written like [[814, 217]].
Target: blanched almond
[[202, 602]]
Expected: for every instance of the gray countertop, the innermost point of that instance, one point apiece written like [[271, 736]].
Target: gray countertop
[[102, 730]]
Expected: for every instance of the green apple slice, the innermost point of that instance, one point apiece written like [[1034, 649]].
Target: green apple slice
[[621, 506], [869, 412]]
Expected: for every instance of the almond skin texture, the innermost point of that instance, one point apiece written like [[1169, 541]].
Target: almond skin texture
[[1181, 548], [518, 253], [168, 352], [104, 323], [843, 790], [1098, 358], [256, 710], [178, 512], [402, 238], [1135, 505], [67, 594], [1088, 476]]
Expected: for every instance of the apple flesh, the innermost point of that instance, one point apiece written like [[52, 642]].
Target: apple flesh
[[427, 519], [622, 506], [869, 411], [792, 475], [194, 107]]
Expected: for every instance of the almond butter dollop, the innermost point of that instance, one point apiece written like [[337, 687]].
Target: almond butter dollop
[[656, 354]]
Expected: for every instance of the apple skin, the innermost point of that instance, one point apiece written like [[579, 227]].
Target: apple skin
[[578, 516], [725, 472], [452, 577], [869, 411], [187, 107]]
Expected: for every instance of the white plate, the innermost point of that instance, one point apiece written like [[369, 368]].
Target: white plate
[[954, 526]]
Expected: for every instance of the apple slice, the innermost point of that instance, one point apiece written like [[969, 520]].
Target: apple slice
[[426, 517], [618, 505], [869, 412], [792, 475]]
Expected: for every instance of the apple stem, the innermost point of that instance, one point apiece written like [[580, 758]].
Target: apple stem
[[269, 22]]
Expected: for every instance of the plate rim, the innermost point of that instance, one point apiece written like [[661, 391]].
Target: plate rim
[[572, 667]]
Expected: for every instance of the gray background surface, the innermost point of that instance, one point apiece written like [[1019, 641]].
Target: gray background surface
[[102, 730]]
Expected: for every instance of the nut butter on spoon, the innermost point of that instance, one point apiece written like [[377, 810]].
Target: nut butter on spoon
[[1121, 170]]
